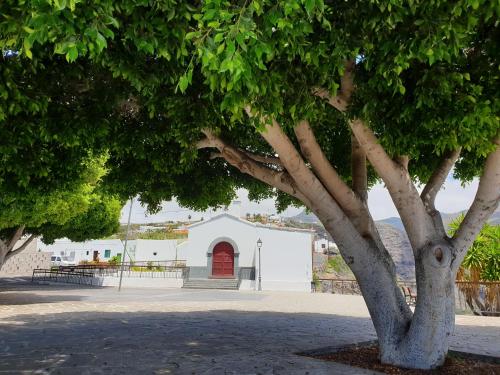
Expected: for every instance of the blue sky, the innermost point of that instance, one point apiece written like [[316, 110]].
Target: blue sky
[[452, 198]]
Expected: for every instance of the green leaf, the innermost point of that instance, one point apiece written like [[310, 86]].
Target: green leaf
[[100, 42], [27, 48], [191, 35], [183, 83], [72, 54], [220, 49]]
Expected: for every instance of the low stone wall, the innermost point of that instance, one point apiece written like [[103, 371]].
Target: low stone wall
[[24, 263]]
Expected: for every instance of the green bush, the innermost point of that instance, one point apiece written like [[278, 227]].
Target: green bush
[[116, 260]]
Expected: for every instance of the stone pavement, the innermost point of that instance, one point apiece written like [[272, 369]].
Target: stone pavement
[[49, 329]]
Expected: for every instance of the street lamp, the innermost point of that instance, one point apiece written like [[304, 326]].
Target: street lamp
[[259, 245]]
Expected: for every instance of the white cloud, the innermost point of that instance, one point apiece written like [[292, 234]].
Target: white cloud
[[452, 198]]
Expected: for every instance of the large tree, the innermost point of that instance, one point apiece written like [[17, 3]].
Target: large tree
[[309, 101], [53, 122], [82, 211]]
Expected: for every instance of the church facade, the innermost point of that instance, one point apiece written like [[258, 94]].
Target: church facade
[[227, 247]]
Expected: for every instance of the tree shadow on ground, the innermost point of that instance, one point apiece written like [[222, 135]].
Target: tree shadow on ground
[[23, 283], [194, 342], [11, 299], [173, 342]]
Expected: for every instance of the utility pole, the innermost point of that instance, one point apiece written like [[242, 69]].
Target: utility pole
[[125, 245], [259, 245]]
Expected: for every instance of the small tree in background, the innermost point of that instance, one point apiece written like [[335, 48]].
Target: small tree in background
[[481, 264]]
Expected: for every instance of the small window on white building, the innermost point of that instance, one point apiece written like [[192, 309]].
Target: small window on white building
[[87, 252], [323, 246], [107, 253], [154, 253]]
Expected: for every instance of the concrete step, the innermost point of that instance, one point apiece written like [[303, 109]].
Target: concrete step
[[231, 284]]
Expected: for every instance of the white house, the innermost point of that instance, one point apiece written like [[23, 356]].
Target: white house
[[323, 244], [77, 252], [225, 246]]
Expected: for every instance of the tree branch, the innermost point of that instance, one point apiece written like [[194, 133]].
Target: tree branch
[[358, 170], [20, 248], [204, 143], [433, 186], [484, 204], [321, 202], [418, 225], [352, 205], [263, 158], [343, 97], [402, 160], [437, 180], [7, 246], [238, 159]]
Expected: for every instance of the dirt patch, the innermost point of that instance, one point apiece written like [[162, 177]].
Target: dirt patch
[[367, 357]]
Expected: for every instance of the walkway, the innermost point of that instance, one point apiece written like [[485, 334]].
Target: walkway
[[73, 330]]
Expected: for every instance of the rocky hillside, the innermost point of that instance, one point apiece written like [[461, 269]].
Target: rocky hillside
[[398, 245], [393, 236]]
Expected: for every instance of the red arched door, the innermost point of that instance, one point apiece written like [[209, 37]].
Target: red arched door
[[223, 260]]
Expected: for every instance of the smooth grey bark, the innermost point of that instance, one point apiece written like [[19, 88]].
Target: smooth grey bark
[[425, 343]]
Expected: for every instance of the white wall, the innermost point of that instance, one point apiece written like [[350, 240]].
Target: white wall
[[155, 250], [286, 260], [128, 282], [323, 244]]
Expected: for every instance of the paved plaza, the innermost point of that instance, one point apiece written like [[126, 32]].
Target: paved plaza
[[55, 329]]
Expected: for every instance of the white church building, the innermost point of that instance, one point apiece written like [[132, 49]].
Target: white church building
[[227, 247]]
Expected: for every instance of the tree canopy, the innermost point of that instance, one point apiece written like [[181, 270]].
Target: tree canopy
[[427, 74], [308, 101]]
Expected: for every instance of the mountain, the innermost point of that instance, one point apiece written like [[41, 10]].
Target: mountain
[[304, 218], [447, 219], [398, 245], [394, 222]]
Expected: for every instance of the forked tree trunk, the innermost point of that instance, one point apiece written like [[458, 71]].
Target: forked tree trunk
[[410, 340], [425, 344], [418, 339]]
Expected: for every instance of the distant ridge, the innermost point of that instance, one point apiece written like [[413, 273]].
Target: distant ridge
[[393, 236], [395, 222], [305, 218]]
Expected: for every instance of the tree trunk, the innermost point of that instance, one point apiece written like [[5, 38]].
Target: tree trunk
[[425, 344], [418, 340]]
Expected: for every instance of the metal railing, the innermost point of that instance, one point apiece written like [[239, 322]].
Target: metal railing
[[170, 269], [478, 297], [350, 286], [246, 273], [69, 277]]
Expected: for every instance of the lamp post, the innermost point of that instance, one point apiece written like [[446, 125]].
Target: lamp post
[[259, 245]]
